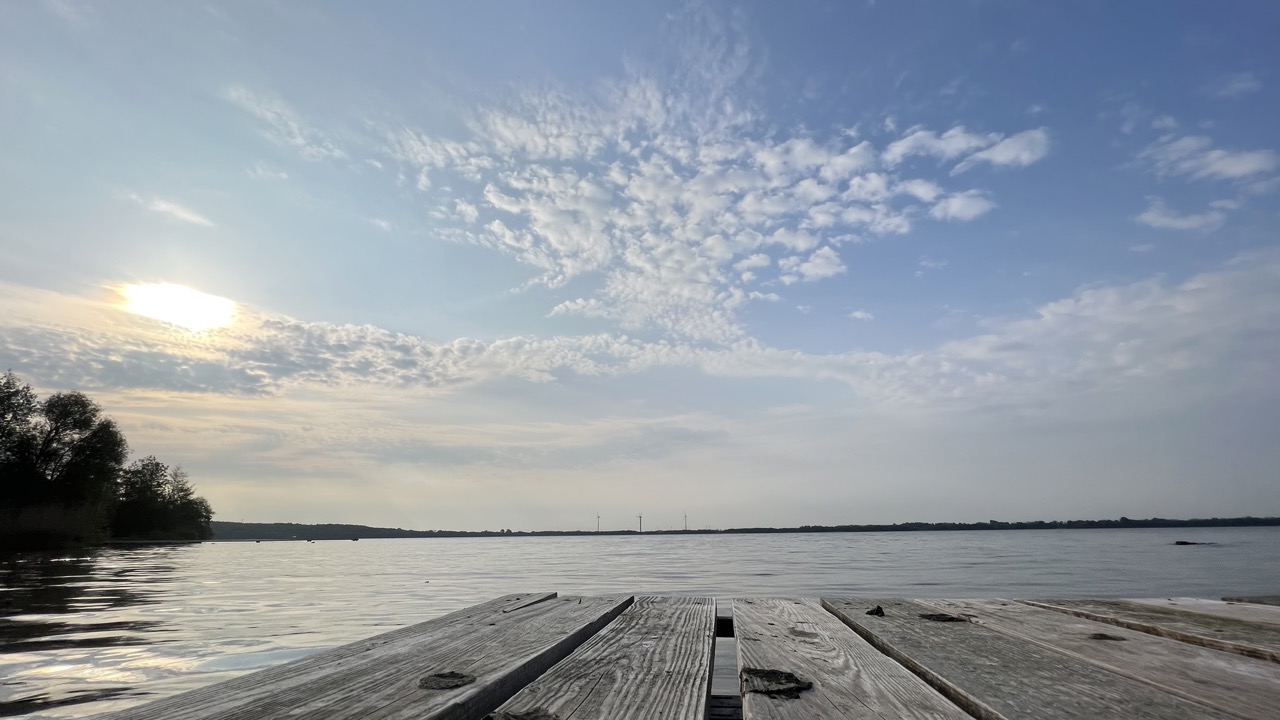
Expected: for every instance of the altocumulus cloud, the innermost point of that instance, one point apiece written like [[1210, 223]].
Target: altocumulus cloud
[[1222, 324], [675, 202]]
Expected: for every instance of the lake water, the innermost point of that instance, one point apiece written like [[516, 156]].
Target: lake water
[[85, 634]]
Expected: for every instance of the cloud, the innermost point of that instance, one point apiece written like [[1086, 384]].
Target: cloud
[[1232, 86], [1220, 327], [263, 171], [381, 224], [640, 201], [284, 125], [822, 264], [1158, 215], [862, 315], [172, 210], [951, 144], [466, 211], [1196, 157], [1019, 150], [962, 207]]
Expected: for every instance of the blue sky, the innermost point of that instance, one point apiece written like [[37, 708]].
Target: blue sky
[[514, 264]]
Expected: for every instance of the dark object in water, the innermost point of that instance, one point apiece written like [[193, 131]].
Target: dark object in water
[[1187, 542], [877, 611]]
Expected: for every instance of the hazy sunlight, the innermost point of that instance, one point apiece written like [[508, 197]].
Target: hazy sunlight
[[179, 305]]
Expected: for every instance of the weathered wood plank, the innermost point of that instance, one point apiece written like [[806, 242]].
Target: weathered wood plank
[[457, 666], [1243, 638], [654, 661], [1255, 599], [798, 662], [1244, 687], [997, 677], [1236, 611]]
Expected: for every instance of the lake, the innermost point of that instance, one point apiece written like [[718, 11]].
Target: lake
[[89, 633]]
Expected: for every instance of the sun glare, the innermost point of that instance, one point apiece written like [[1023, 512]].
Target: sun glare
[[178, 305]]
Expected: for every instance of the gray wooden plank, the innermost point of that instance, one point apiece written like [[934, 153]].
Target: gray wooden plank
[[1255, 599], [997, 677], [654, 661], [1243, 638], [1241, 686], [1245, 612], [814, 667], [457, 666]]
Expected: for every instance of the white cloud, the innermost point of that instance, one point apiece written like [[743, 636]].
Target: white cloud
[[466, 211], [758, 260], [263, 171], [962, 207], [1158, 215], [172, 210], [1196, 157], [823, 263], [1231, 86], [1164, 122], [951, 144], [1019, 150], [381, 224], [1219, 327], [285, 127], [862, 315], [659, 204]]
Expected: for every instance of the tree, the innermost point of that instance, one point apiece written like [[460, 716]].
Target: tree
[[155, 501], [63, 477], [17, 404]]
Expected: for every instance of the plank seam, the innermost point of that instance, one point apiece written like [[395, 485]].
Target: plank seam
[[952, 692], [1179, 635]]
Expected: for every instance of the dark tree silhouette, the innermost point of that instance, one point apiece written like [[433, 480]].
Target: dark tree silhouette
[[63, 479]]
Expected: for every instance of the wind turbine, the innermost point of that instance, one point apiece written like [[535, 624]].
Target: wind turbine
[[641, 517]]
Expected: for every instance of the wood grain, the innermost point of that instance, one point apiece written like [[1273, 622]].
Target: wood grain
[[486, 653], [850, 678], [1245, 612], [995, 676], [1243, 638], [1243, 687], [654, 661]]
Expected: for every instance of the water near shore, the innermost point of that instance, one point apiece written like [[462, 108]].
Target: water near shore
[[81, 635]]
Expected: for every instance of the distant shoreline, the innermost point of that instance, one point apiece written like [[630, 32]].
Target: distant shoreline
[[237, 531]]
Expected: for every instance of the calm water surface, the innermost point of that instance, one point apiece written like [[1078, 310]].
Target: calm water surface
[[81, 635]]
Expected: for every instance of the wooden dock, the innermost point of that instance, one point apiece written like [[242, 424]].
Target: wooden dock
[[544, 657]]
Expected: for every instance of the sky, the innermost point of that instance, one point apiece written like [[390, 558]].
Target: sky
[[518, 265]]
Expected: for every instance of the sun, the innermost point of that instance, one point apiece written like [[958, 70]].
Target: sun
[[178, 305]]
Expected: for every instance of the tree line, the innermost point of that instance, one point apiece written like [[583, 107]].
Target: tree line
[[65, 478]]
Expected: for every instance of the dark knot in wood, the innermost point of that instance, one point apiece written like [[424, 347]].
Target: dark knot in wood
[[445, 680], [773, 683], [942, 617], [1104, 636], [877, 611]]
